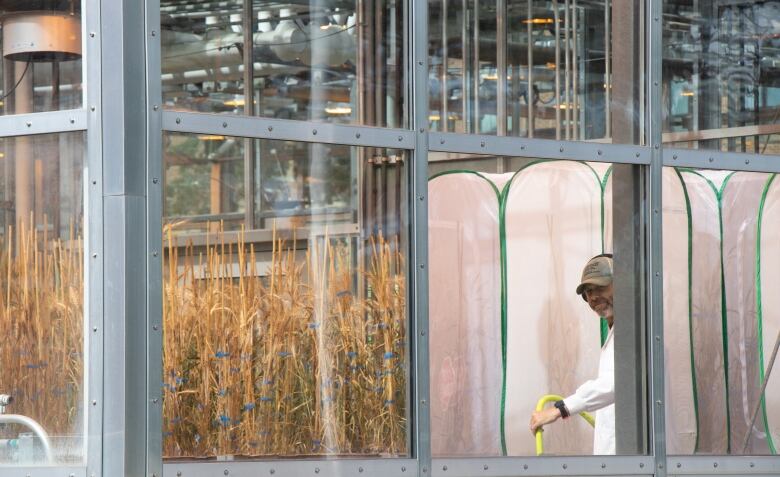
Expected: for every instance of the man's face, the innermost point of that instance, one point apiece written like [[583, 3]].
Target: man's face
[[600, 299]]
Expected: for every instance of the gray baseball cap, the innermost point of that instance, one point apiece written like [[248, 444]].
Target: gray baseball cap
[[598, 271]]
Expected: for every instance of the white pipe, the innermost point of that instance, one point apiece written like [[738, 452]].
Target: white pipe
[[35, 427]]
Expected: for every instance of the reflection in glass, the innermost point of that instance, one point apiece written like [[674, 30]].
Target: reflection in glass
[[720, 75], [287, 337], [721, 259], [511, 247], [41, 304], [335, 61], [41, 47], [584, 81]]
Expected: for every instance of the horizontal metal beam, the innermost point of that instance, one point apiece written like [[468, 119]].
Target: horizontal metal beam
[[263, 235], [282, 468], [287, 130], [730, 161], [43, 123], [538, 466], [538, 148], [58, 471], [721, 133], [723, 465]]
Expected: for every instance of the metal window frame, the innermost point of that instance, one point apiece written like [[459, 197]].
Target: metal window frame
[[143, 199]]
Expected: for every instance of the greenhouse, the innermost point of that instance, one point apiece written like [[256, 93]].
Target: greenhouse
[[394, 238]]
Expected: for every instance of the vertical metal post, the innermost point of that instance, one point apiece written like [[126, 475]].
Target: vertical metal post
[[567, 68], [154, 227], [419, 241], [575, 59], [123, 62], [557, 19], [93, 234], [444, 108], [655, 280], [607, 67], [475, 71], [529, 94], [501, 69], [247, 28]]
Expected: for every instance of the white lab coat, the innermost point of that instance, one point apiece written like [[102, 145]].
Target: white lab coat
[[599, 395]]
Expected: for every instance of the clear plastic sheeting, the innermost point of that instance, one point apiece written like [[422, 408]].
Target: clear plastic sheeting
[[465, 302], [517, 330], [716, 249]]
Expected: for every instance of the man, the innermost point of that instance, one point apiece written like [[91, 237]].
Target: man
[[597, 394]]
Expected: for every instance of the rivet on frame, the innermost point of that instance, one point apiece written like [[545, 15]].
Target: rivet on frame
[[485, 467], [224, 125]]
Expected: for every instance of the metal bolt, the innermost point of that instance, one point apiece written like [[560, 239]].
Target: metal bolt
[[154, 253], [599, 152], [425, 470], [155, 180], [752, 464], [270, 128], [29, 124], [657, 274], [441, 141], [679, 465], [178, 474], [92, 34], [224, 125], [314, 131], [360, 469], [357, 135], [525, 466], [72, 120], [156, 107], [641, 465], [422, 266], [422, 333], [316, 470], [272, 471], [94, 255], [660, 466], [714, 464], [420, 63], [561, 149], [92, 108], [155, 400], [658, 402], [482, 143], [522, 148], [656, 18], [444, 468], [155, 327], [154, 33], [422, 130], [658, 338], [637, 154], [178, 120], [94, 329], [711, 159], [422, 197], [747, 161], [565, 466], [655, 210], [423, 402], [657, 146], [403, 469], [94, 403], [485, 467], [94, 182], [226, 472], [603, 465], [655, 83]]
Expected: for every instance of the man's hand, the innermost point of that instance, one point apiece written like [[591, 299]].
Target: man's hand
[[543, 417]]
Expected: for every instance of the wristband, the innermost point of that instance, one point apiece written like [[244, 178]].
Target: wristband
[[561, 406]]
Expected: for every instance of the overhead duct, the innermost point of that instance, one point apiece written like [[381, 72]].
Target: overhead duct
[[41, 36]]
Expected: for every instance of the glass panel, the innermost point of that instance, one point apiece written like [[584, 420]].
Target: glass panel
[[482, 51], [325, 60], [42, 303], [720, 75], [721, 260], [287, 337], [512, 247], [42, 49]]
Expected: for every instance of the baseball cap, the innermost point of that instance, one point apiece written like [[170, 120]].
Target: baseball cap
[[598, 271]]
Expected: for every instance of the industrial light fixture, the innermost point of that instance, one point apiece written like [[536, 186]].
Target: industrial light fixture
[[687, 93], [41, 36], [211, 137], [338, 110], [539, 21]]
